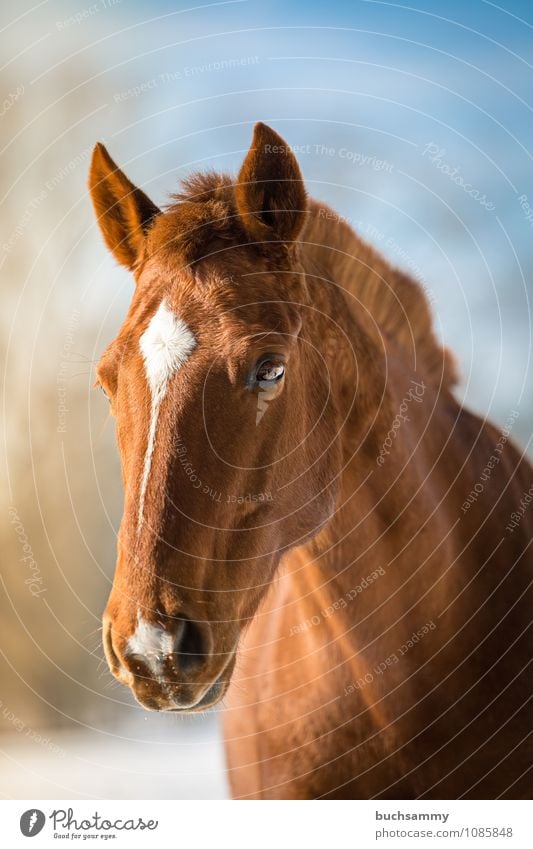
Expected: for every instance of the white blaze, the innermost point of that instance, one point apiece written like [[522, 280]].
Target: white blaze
[[165, 346], [153, 644]]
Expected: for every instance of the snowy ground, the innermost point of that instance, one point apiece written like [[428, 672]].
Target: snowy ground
[[151, 758]]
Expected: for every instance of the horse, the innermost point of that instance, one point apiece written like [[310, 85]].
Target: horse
[[315, 533]]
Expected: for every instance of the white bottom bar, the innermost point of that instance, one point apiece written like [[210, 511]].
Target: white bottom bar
[[260, 825]]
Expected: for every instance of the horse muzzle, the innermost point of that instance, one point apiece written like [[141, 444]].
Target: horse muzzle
[[169, 666]]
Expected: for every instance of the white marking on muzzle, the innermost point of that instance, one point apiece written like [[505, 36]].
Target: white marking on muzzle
[[165, 345], [152, 644]]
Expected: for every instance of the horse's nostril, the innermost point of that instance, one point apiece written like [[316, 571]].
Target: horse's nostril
[[191, 646], [158, 655]]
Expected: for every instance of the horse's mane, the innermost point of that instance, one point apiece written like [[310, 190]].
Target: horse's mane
[[396, 302], [202, 213]]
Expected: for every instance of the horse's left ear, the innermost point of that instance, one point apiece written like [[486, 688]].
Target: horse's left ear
[[270, 192], [123, 211]]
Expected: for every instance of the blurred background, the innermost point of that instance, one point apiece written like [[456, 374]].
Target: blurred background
[[414, 122]]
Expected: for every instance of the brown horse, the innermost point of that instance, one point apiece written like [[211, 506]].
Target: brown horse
[[309, 513]]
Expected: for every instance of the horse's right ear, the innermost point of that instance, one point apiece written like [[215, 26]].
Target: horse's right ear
[[124, 213], [270, 194]]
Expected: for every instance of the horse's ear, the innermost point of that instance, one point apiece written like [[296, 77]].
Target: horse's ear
[[123, 211], [270, 192]]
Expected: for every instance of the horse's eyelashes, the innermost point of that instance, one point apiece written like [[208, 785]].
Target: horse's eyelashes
[[270, 371]]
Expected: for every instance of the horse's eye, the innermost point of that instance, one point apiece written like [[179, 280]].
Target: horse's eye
[[270, 371], [104, 392]]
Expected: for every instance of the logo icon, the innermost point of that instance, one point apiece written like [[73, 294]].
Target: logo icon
[[32, 822]]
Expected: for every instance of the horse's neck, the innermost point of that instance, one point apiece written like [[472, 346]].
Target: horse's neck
[[385, 493], [334, 254], [385, 469], [348, 260], [351, 596]]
